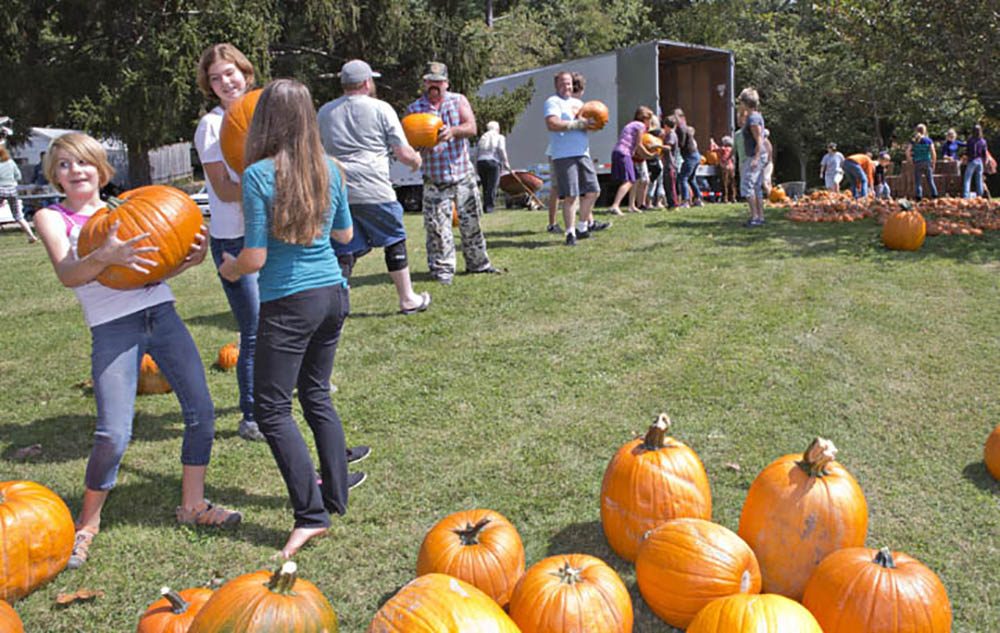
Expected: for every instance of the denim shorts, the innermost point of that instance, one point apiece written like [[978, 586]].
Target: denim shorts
[[376, 225]]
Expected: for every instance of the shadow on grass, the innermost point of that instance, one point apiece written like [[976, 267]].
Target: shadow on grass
[[221, 320], [981, 478], [493, 244]]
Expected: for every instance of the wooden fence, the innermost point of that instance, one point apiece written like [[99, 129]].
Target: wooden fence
[[170, 162]]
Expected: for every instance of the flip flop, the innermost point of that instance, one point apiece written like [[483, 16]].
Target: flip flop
[[425, 302]]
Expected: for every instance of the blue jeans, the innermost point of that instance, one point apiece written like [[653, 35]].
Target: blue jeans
[[117, 351], [859, 179], [926, 168], [973, 173], [244, 301], [687, 179]]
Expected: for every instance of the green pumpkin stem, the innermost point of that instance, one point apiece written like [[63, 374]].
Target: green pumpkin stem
[[470, 535], [284, 578], [113, 202], [177, 604], [567, 574], [817, 457], [884, 558], [656, 437]]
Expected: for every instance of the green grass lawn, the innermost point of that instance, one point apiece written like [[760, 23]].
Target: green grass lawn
[[513, 392]]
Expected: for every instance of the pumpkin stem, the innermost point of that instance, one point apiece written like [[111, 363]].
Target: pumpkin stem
[[470, 535], [884, 558], [113, 203], [284, 578], [816, 458], [177, 604], [656, 437], [567, 574]]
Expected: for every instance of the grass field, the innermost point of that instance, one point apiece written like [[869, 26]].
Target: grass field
[[512, 392]]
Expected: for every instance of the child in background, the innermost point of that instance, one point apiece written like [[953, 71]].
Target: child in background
[[831, 168], [294, 200], [124, 325], [727, 168], [769, 166], [923, 155], [881, 186], [10, 175], [950, 145]]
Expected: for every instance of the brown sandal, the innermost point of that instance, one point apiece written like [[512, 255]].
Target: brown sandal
[[209, 515], [81, 549]]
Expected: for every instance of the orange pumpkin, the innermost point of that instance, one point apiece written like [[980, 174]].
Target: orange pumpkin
[[571, 593], [650, 480], [151, 381], [799, 509], [754, 613], [174, 612], [596, 111], [686, 563], [777, 195], [37, 537], [169, 215], [229, 355], [434, 603], [9, 621], [652, 143], [235, 125], [422, 129], [480, 547], [877, 591], [263, 602], [991, 453], [904, 230]]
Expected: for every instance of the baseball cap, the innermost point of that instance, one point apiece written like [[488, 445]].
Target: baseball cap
[[356, 71], [436, 71]]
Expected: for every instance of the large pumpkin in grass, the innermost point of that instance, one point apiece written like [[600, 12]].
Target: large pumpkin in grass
[[650, 480], [9, 620], [422, 129], [596, 111], [36, 537], [684, 564], [174, 612], [438, 603], [169, 215], [151, 380], [480, 547], [235, 125], [905, 229], [754, 613], [798, 510], [991, 453], [571, 593], [864, 590], [267, 602]]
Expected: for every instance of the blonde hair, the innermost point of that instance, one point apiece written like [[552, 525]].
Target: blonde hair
[[224, 52], [644, 114], [284, 129], [82, 147], [4, 154], [749, 98]]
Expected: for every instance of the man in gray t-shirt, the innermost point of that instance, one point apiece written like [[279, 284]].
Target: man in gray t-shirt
[[361, 132]]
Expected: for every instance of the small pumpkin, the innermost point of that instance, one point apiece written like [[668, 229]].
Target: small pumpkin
[[571, 593], [798, 510], [151, 381], [777, 195], [37, 537], [596, 111], [754, 613], [905, 229], [265, 602], [434, 603], [480, 547], [169, 215], [650, 480], [422, 129], [229, 355], [991, 453], [235, 125], [9, 620], [174, 611], [877, 591], [686, 563]]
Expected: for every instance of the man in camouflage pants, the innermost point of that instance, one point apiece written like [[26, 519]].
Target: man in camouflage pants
[[450, 179]]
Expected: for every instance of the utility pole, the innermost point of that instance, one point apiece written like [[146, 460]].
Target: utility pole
[[489, 13]]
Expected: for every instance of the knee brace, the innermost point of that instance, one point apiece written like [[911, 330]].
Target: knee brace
[[395, 256]]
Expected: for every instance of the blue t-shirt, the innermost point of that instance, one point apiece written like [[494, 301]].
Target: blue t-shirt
[[749, 142], [570, 143], [291, 268]]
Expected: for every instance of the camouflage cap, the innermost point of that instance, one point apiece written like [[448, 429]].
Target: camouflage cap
[[436, 71]]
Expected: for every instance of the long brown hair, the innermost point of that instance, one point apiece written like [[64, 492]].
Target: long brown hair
[[226, 52], [284, 129]]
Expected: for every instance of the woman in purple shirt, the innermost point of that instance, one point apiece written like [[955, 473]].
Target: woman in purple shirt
[[975, 152], [622, 166]]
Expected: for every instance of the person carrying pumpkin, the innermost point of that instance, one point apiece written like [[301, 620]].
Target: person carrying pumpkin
[[860, 168], [124, 325], [628, 152]]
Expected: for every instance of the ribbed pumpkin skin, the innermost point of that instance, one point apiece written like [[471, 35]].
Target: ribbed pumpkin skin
[[9, 620], [151, 381], [792, 520], [644, 487], [754, 613], [421, 129], [991, 453], [235, 125], [229, 355], [438, 603], [161, 618], [652, 142], [595, 111], [493, 564], [852, 593], [247, 605], [543, 602], [686, 563], [169, 215], [36, 537], [904, 231]]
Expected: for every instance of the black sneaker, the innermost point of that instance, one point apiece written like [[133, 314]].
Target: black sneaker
[[570, 239], [553, 228], [355, 479], [582, 235], [598, 226], [356, 454]]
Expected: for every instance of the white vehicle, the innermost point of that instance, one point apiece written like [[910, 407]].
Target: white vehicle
[[201, 199]]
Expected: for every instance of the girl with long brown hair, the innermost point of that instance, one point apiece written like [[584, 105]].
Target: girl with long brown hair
[[294, 200]]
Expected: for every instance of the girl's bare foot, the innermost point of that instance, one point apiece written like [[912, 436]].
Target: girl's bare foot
[[298, 538], [615, 211]]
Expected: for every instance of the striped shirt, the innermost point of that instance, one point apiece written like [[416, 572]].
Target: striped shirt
[[445, 163]]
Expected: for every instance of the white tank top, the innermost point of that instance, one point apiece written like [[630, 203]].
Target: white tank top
[[102, 304]]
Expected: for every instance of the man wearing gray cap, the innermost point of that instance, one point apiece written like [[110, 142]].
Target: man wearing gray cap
[[361, 131], [449, 178]]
